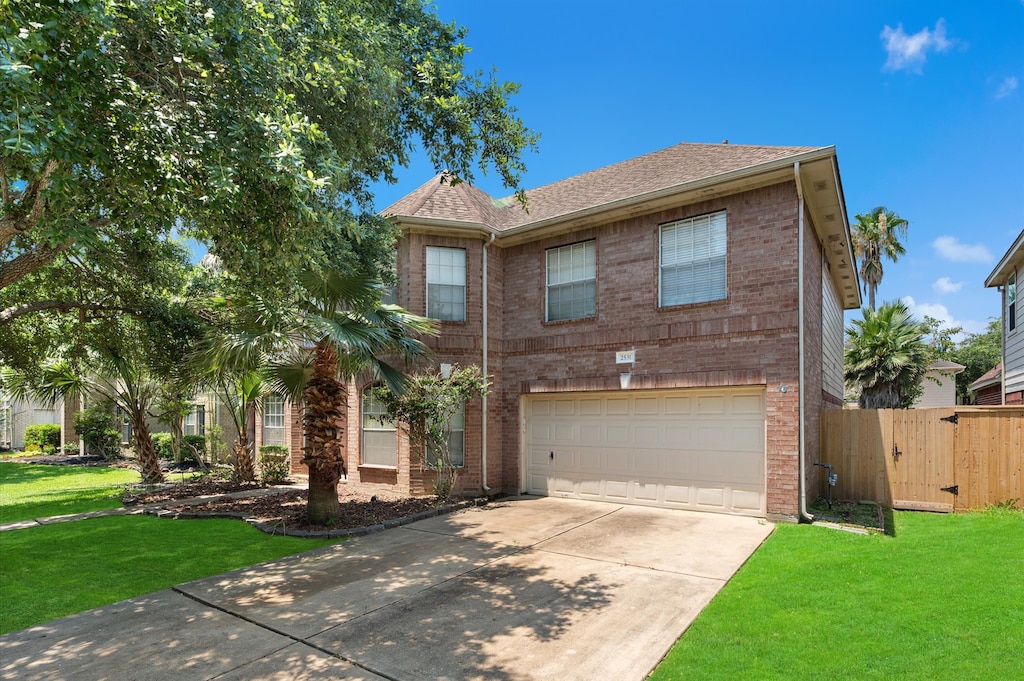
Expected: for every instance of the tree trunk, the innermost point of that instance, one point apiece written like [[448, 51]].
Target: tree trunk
[[149, 461], [325, 400], [245, 464]]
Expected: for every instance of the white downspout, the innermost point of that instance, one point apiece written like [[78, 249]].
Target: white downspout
[[801, 448], [483, 370]]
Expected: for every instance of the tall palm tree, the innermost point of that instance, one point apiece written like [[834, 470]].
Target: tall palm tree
[[876, 235], [886, 357], [336, 328]]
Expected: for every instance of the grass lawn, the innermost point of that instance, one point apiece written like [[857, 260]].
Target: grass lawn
[[35, 491], [56, 570], [943, 599]]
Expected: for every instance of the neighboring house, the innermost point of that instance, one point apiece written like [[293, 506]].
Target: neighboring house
[[939, 385], [1005, 277], [663, 331], [17, 414], [989, 386]]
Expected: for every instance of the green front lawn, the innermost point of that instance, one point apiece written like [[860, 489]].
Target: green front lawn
[[36, 491], [56, 570], [943, 599]]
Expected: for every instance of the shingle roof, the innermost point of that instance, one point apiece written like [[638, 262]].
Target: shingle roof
[[991, 376], [660, 170]]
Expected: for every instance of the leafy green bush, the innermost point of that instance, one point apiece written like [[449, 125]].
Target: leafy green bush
[[49, 449], [70, 449], [275, 464], [162, 442], [192, 448], [98, 429], [43, 434]]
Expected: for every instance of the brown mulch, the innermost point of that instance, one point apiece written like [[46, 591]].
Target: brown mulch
[[286, 508]]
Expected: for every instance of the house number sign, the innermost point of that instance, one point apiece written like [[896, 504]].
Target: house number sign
[[625, 357]]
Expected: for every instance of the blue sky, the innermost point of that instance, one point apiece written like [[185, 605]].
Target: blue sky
[[924, 102]]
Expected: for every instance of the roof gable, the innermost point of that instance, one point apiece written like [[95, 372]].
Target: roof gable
[[659, 171]]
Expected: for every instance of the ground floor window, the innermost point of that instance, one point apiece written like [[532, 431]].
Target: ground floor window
[[378, 436], [456, 441], [273, 420]]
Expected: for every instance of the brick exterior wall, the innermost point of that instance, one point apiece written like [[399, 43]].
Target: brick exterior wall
[[751, 337]]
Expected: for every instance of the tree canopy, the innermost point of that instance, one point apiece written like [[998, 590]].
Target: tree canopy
[[254, 126]]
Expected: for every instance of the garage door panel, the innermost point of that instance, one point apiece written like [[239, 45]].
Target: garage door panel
[[700, 449]]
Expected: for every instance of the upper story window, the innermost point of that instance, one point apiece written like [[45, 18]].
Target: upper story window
[[446, 283], [379, 439], [571, 281], [692, 267], [1011, 303], [273, 420]]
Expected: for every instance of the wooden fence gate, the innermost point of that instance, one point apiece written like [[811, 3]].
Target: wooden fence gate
[[939, 459]]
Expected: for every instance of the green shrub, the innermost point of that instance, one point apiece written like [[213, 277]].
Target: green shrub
[[275, 464], [99, 430], [43, 434], [216, 449], [49, 449], [33, 449], [162, 442], [192, 448], [71, 449]]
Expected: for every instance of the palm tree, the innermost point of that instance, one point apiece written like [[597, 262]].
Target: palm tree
[[335, 329], [113, 377], [876, 235], [886, 357]]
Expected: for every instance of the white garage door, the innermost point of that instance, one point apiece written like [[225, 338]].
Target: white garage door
[[694, 449]]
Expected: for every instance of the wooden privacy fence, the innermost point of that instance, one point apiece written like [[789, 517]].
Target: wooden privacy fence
[[939, 459]]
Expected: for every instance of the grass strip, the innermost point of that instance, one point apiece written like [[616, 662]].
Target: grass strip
[[37, 491], [56, 570], [940, 600]]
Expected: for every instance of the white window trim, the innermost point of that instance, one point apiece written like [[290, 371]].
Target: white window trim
[[381, 428], [547, 281], [661, 233], [465, 279], [279, 431]]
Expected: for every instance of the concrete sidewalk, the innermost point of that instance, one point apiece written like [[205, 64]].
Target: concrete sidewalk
[[523, 589]]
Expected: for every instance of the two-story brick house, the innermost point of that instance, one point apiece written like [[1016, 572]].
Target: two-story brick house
[[661, 331]]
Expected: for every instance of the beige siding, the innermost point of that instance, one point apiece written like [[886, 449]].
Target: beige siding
[[831, 336], [939, 390]]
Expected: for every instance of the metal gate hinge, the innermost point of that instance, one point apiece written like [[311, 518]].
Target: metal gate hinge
[[952, 489], [954, 419]]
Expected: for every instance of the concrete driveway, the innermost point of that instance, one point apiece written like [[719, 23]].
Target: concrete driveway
[[531, 588]]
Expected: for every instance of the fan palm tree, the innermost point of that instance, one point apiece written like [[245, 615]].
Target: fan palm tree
[[886, 357], [309, 350], [876, 235], [116, 378]]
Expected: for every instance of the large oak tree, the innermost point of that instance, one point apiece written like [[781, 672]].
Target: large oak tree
[[255, 126]]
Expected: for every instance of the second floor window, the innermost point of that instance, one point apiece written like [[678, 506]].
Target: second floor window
[[571, 281], [446, 283], [692, 267], [1011, 303]]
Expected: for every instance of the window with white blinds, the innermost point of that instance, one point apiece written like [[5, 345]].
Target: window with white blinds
[[571, 281], [379, 436], [693, 260], [446, 283], [456, 441], [273, 420]]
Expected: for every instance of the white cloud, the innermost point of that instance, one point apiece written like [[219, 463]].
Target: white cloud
[[1006, 87], [909, 52], [942, 313], [950, 248], [946, 285]]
